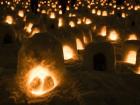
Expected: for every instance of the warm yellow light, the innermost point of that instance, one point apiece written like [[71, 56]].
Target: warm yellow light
[[52, 15], [113, 35], [72, 24], [68, 52], [60, 12], [79, 21], [132, 37], [21, 13], [67, 8], [103, 31], [28, 27], [60, 22], [40, 81], [79, 44], [93, 11], [131, 57], [123, 15], [88, 21], [43, 11], [99, 12], [104, 13], [12, 8], [9, 19]]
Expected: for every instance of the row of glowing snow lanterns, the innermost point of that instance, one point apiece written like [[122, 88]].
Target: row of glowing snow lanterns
[[39, 74], [40, 80], [127, 5], [113, 8], [113, 35], [49, 5]]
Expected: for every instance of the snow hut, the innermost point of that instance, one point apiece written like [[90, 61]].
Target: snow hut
[[99, 57], [40, 65]]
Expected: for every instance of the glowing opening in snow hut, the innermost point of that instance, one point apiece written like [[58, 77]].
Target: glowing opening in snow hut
[[39, 81], [79, 21], [79, 44], [132, 37], [60, 22], [87, 21], [9, 20], [131, 57], [93, 11], [72, 24], [52, 15], [68, 52], [21, 13], [113, 35], [99, 13], [104, 13], [103, 31]]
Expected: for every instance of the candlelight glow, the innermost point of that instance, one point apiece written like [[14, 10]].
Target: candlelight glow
[[52, 15], [113, 35], [60, 22], [87, 21], [103, 31], [72, 24], [123, 15], [104, 13], [93, 11], [79, 44], [99, 13], [68, 52], [131, 57], [132, 37], [21, 13], [79, 21], [40, 81], [9, 19], [28, 28]]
